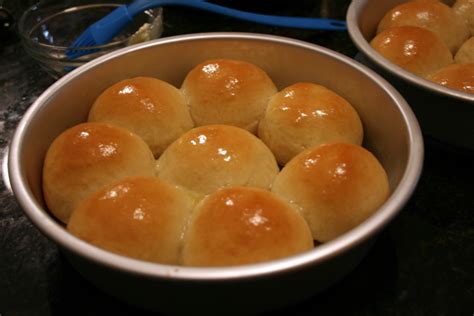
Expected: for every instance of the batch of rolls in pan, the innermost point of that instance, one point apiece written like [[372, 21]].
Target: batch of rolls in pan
[[222, 171], [432, 40]]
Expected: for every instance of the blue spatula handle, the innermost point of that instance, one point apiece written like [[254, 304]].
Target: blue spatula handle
[[285, 21], [109, 26]]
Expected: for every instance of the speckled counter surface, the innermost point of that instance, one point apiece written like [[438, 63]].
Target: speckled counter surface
[[422, 263]]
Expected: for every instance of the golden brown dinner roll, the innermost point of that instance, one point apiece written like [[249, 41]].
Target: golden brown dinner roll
[[457, 76], [415, 49], [213, 156], [231, 92], [336, 186], [465, 9], [242, 225], [306, 114], [87, 156], [465, 54], [149, 107], [139, 217], [431, 15]]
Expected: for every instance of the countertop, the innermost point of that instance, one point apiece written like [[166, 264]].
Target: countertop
[[421, 264]]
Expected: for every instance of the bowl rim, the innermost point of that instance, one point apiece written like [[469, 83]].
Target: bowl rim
[[55, 231], [65, 9], [354, 11]]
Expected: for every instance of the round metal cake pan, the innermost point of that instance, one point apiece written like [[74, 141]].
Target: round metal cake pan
[[392, 133], [444, 114]]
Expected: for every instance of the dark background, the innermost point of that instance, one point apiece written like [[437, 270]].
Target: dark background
[[421, 264]]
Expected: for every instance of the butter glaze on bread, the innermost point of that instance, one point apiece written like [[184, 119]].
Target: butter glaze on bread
[[242, 225], [465, 10], [458, 76], [87, 156], [304, 115], [209, 157], [139, 217], [103, 176], [413, 48], [434, 16], [149, 107], [230, 92], [336, 187], [465, 54]]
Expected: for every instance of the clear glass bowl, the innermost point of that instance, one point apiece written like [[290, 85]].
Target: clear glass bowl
[[48, 28]]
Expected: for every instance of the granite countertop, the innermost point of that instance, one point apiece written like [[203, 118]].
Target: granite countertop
[[421, 264]]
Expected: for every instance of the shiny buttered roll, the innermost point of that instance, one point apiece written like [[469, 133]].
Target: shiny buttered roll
[[139, 217], [457, 76], [335, 186], [465, 9], [87, 156], [243, 225], [413, 48], [434, 16], [465, 54], [209, 157], [149, 107], [230, 92], [304, 115]]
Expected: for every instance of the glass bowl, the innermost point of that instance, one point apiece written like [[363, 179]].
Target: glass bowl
[[48, 28]]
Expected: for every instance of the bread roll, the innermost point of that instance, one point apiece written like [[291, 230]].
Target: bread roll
[[465, 54], [336, 187], [242, 225], [465, 9], [434, 16], [230, 92], [458, 76], [210, 157], [306, 114], [149, 107], [87, 156], [139, 217], [415, 49]]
